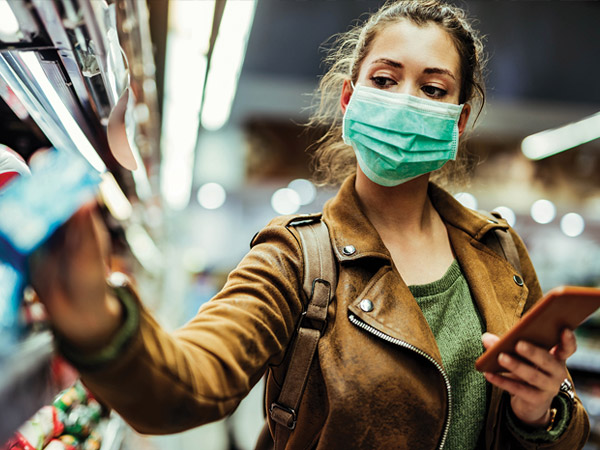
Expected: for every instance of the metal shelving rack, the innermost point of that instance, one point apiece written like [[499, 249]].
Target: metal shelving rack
[[75, 44], [26, 382]]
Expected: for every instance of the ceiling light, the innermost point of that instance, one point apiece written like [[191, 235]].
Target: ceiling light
[[187, 44], [226, 62], [543, 211], [550, 142]]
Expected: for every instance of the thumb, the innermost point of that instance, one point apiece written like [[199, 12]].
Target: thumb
[[489, 339]]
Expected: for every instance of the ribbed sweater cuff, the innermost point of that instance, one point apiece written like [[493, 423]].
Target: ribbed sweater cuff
[[561, 421]]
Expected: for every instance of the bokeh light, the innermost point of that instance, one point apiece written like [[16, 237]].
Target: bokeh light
[[572, 224], [467, 200], [285, 201], [543, 211], [305, 189], [507, 214], [211, 195]]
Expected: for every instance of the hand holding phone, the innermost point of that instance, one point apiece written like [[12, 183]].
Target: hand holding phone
[[562, 307]]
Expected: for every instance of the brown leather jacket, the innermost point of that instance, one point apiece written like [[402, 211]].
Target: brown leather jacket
[[374, 384]]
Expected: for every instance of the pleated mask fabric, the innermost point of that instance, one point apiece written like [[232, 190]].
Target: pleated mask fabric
[[398, 137]]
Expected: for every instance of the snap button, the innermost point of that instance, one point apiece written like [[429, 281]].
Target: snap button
[[518, 280], [366, 305], [349, 250]]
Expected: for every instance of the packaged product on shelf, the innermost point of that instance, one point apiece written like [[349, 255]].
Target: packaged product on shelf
[[69, 439], [40, 429], [12, 165], [74, 412], [31, 209], [81, 419], [59, 444], [12, 280], [12, 283], [93, 442], [70, 397]]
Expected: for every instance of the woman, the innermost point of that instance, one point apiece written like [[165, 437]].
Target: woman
[[417, 284]]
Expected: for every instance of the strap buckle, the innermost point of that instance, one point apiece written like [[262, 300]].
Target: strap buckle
[[315, 323], [283, 415]]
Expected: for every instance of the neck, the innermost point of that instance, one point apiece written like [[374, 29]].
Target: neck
[[405, 208]]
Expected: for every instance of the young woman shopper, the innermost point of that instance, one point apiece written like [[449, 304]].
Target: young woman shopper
[[417, 284]]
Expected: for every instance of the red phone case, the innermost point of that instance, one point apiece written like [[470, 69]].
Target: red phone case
[[562, 307]]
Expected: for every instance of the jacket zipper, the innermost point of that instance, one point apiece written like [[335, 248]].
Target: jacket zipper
[[359, 323]]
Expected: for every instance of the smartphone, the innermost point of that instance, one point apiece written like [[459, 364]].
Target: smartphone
[[562, 307]]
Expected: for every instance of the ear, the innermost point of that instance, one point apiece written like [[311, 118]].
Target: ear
[[464, 118], [346, 94]]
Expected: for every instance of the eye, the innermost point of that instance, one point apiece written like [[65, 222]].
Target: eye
[[434, 92], [382, 82]]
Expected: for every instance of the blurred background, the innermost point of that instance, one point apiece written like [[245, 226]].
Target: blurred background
[[193, 110]]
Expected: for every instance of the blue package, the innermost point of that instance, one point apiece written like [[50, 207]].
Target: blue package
[[12, 284], [31, 209]]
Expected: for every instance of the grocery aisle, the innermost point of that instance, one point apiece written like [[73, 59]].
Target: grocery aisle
[[238, 432]]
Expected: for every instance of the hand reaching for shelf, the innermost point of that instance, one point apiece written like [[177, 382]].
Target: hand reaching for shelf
[[69, 273]]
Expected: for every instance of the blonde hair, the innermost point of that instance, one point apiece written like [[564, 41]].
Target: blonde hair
[[333, 160]]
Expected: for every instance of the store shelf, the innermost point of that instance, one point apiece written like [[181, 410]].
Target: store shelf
[[585, 359], [25, 383]]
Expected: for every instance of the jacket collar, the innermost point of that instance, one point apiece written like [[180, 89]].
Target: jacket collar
[[474, 223], [354, 236]]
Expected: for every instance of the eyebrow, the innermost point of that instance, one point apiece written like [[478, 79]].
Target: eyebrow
[[439, 71], [429, 70]]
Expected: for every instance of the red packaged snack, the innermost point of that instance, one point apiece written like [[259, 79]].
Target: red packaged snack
[[40, 429]]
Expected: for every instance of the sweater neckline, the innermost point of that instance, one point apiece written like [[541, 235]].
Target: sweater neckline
[[439, 286]]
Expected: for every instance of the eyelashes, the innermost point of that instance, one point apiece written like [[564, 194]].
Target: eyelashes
[[383, 82], [429, 90], [434, 91]]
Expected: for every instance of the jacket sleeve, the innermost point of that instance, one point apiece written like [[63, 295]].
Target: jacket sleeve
[[576, 433], [165, 383]]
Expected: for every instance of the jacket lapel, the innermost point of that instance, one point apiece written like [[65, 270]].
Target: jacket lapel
[[355, 241], [395, 312], [491, 278]]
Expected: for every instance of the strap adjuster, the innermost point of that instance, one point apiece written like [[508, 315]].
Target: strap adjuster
[[315, 323], [285, 416], [312, 324]]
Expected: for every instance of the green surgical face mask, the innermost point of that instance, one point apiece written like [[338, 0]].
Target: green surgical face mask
[[398, 137]]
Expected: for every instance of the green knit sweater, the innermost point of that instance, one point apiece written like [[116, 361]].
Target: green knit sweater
[[457, 327]]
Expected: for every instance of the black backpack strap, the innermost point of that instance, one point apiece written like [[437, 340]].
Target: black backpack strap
[[320, 280], [503, 244]]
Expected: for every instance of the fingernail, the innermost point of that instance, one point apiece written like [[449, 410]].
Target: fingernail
[[503, 357], [522, 346], [569, 333]]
